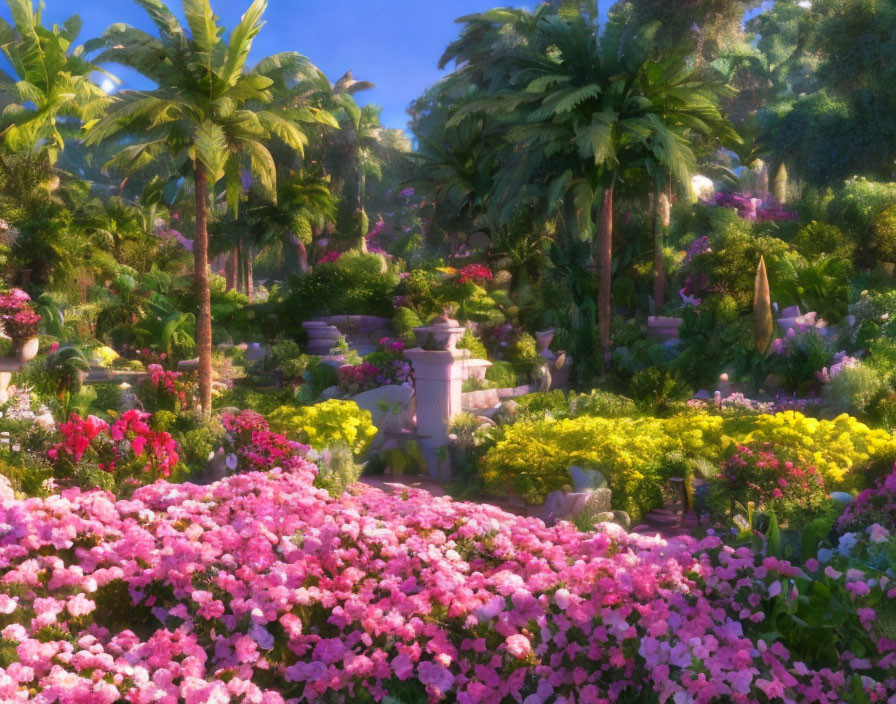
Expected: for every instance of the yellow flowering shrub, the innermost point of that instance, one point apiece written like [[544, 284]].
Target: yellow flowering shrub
[[104, 356], [326, 424], [532, 458]]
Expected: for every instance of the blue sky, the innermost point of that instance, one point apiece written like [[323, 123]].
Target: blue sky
[[393, 43]]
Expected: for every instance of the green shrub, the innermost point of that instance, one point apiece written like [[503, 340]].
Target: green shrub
[[883, 236], [502, 374], [404, 321], [354, 284], [470, 342], [856, 208], [523, 353], [735, 247], [818, 238], [337, 470], [852, 390], [655, 388]]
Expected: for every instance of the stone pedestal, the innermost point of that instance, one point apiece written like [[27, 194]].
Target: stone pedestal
[[438, 378]]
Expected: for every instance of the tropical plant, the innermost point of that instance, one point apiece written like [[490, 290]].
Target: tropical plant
[[204, 120], [52, 83], [581, 108]]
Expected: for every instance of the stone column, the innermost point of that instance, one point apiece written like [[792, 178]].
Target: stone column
[[438, 378]]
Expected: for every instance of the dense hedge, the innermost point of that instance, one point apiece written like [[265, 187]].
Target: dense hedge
[[532, 458]]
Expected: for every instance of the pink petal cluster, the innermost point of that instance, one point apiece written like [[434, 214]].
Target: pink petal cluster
[[168, 383], [128, 440], [256, 447], [263, 589]]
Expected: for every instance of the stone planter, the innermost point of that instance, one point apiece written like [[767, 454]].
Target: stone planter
[[662, 328], [543, 341], [322, 337], [440, 336], [476, 369], [564, 506], [362, 332]]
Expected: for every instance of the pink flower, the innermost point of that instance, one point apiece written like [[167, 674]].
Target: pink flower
[[518, 646]]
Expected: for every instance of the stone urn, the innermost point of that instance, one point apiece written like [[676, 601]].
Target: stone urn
[[25, 352], [543, 341], [442, 333]]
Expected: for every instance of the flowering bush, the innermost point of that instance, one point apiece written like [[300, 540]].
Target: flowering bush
[[385, 367], [737, 402], [802, 353], [872, 506], [261, 588], [327, 424], [165, 390], [129, 450], [20, 322], [793, 492], [751, 208], [252, 446], [477, 273], [533, 458], [357, 378]]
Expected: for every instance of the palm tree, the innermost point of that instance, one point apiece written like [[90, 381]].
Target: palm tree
[[52, 83], [585, 106], [204, 120]]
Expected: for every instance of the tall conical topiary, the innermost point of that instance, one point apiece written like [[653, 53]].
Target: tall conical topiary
[[780, 184], [763, 321]]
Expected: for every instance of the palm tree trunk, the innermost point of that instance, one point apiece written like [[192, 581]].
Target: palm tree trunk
[[230, 270], [302, 254], [605, 264], [250, 275], [661, 218], [203, 295]]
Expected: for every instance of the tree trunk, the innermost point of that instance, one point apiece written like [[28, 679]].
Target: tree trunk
[[230, 270], [302, 254], [250, 275], [605, 265], [661, 218], [203, 295]]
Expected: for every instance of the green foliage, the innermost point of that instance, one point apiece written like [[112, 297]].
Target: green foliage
[[523, 353], [405, 320], [883, 237], [857, 209], [656, 389], [819, 284], [818, 238], [337, 470], [288, 355], [355, 284], [472, 343], [736, 246], [853, 389], [197, 438], [502, 374]]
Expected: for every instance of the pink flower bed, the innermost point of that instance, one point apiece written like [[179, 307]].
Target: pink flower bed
[[261, 588]]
